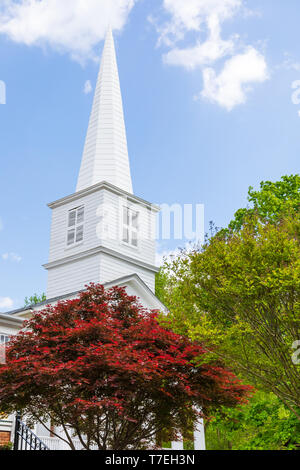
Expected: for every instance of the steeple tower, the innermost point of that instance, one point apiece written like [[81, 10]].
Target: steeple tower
[[105, 156], [103, 233]]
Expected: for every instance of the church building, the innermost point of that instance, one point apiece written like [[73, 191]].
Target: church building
[[101, 233]]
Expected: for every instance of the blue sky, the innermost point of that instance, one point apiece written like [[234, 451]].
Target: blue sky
[[207, 91]]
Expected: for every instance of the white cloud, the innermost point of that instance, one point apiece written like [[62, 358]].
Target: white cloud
[[230, 87], [87, 87], [289, 63], [295, 66], [203, 53], [72, 26], [14, 257], [195, 15], [6, 302], [201, 21]]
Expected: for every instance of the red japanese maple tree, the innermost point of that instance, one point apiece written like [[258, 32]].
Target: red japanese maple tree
[[103, 369]]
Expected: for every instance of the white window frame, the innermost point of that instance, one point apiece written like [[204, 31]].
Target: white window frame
[[77, 228], [4, 338], [131, 227]]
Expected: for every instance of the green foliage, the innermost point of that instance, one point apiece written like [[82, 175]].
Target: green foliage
[[272, 199], [161, 280], [241, 292], [7, 446], [264, 424], [34, 299]]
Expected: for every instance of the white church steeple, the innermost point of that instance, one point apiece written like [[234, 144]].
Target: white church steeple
[[102, 232], [105, 156]]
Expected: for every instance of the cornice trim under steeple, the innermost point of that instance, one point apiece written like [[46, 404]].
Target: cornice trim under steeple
[[98, 250], [109, 187]]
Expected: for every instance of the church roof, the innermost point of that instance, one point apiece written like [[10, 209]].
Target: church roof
[[109, 187], [140, 287], [105, 155], [7, 319]]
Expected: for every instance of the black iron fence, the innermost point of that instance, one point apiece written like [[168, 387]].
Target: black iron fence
[[25, 439]]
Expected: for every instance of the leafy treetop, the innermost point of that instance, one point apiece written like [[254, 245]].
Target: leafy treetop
[[34, 299], [273, 199], [241, 291]]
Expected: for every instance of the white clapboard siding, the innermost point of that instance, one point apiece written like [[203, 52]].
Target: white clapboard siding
[[103, 224], [72, 277], [111, 269], [105, 156], [59, 227], [8, 330], [114, 204]]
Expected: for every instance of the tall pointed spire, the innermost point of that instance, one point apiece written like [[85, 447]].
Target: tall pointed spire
[[105, 155]]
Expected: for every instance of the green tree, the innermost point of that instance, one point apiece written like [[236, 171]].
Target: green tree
[[264, 424], [241, 291], [273, 199], [34, 299]]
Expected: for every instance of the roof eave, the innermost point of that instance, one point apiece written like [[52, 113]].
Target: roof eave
[[109, 187]]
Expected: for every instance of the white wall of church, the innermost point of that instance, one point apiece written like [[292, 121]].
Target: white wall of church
[[110, 226], [8, 330], [58, 240], [73, 276], [103, 224], [111, 269]]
